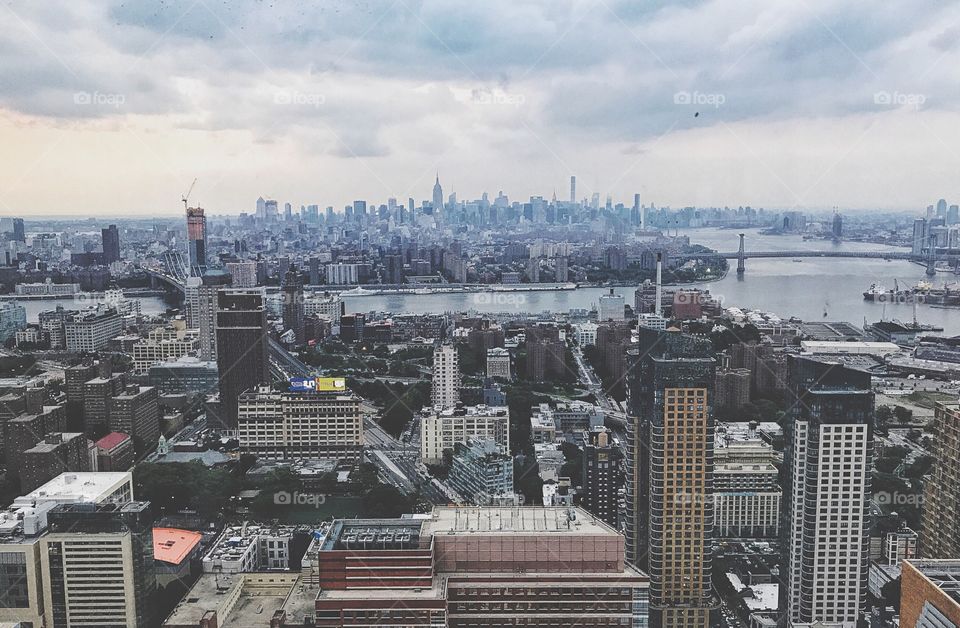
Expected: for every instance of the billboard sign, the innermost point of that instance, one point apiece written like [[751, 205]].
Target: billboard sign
[[318, 384]]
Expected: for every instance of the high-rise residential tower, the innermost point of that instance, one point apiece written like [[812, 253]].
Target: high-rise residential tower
[[669, 482], [940, 537], [446, 376], [293, 303], [197, 239], [828, 461]]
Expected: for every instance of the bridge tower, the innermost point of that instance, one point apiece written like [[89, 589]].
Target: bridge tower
[[741, 258], [932, 257]]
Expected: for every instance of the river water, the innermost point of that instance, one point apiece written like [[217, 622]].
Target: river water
[[806, 289]]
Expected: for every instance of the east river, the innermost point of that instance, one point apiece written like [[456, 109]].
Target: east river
[[807, 289]]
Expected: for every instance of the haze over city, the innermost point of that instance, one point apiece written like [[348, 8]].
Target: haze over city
[[459, 314], [112, 108]]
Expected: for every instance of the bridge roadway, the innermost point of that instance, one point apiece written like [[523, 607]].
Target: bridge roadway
[[849, 254]]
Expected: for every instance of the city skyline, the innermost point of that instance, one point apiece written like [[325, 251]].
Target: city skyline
[[779, 106]]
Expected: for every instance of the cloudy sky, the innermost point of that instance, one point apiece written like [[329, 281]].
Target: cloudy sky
[[111, 107]]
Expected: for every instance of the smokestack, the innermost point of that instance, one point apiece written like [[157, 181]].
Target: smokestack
[[659, 305]]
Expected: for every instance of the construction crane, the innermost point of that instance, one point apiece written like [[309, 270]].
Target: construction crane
[[187, 195]]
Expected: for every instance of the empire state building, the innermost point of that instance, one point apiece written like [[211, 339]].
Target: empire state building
[[437, 200]]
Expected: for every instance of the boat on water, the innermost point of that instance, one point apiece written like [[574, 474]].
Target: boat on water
[[876, 292], [924, 292]]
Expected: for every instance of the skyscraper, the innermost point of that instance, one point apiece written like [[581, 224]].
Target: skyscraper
[[437, 199], [293, 304], [446, 377], [19, 232], [111, 244], [600, 476], [197, 239], [573, 188], [669, 483], [828, 460], [97, 562], [940, 537], [242, 349]]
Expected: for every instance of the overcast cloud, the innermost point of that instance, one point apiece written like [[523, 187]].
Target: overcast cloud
[[114, 107]]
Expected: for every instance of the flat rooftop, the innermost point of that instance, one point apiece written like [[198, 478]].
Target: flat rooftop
[[393, 534], [257, 603], [82, 486], [516, 520], [172, 545], [943, 573]]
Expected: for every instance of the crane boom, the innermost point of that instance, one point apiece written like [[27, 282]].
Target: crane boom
[[187, 195]]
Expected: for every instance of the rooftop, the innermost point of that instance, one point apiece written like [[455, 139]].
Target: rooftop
[[945, 574], [111, 440], [84, 486], [172, 545], [516, 520]]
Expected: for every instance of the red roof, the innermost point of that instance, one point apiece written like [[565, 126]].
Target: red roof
[[111, 440], [172, 545]]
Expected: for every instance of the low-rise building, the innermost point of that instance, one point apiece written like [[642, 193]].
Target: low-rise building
[[543, 427], [498, 363], [92, 329], [251, 548], [482, 473], [164, 344], [441, 430]]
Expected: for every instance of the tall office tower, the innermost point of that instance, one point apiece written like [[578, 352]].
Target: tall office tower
[[111, 244], [828, 462], [270, 210], [242, 348], [669, 484], [600, 476], [197, 240], [942, 208], [446, 377], [314, 265], [293, 303], [573, 188], [437, 200], [940, 536], [97, 564], [201, 303], [19, 232], [837, 225], [930, 594], [261, 208]]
